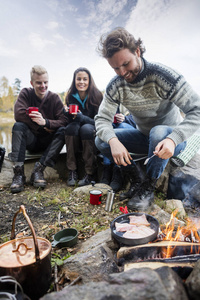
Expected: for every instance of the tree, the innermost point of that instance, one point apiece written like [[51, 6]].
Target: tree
[[6, 95], [4, 86], [17, 87]]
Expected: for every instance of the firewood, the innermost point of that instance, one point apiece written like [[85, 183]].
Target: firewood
[[155, 265], [124, 252]]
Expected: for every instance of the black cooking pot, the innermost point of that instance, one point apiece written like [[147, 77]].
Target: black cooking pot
[[28, 260], [118, 236]]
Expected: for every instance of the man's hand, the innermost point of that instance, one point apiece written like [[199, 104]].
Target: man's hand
[[165, 149], [37, 117], [120, 118], [119, 152]]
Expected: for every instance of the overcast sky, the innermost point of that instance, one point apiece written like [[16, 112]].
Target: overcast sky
[[62, 35]]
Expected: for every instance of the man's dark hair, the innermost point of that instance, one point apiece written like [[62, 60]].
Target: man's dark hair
[[116, 40]]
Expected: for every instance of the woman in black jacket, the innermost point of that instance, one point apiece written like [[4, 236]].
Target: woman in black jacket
[[80, 132]]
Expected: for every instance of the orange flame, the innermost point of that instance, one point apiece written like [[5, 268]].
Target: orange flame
[[188, 233]]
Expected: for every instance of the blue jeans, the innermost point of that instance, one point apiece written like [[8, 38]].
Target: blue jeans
[[106, 161], [136, 142]]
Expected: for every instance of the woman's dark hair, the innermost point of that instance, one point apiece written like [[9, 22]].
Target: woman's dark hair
[[116, 40], [94, 95]]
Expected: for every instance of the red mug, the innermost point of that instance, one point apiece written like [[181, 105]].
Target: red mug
[[95, 197], [30, 109], [115, 119], [73, 109]]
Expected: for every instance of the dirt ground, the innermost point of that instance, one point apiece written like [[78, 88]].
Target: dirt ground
[[51, 206], [50, 210]]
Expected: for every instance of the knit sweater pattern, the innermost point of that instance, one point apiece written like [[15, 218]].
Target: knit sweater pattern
[[156, 97]]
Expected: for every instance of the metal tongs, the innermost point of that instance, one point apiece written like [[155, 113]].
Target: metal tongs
[[146, 160]]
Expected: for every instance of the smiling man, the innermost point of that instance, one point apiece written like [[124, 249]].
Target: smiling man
[[38, 130], [154, 94]]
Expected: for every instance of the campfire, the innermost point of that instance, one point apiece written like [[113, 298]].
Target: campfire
[[188, 234], [177, 248]]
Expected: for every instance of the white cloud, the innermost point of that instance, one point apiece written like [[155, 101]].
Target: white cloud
[[101, 12], [7, 50], [38, 42], [66, 34], [52, 25], [170, 32], [111, 7]]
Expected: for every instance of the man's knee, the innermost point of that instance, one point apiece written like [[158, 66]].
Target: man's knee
[[97, 142], [160, 132], [101, 146], [60, 133], [20, 126]]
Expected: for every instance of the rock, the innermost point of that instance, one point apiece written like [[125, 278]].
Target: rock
[[192, 199], [163, 217], [97, 240], [134, 284], [172, 205], [6, 174], [193, 282], [182, 180], [87, 188], [102, 279], [95, 259], [172, 282]]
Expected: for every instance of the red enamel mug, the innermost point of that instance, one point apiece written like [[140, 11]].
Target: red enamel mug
[[95, 197], [30, 109], [73, 109], [115, 119]]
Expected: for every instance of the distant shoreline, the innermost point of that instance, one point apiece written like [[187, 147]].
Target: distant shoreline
[[6, 118]]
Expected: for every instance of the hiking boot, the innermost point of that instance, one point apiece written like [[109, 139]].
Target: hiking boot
[[107, 174], [136, 178], [133, 188], [72, 178], [18, 180], [87, 179], [37, 177], [117, 179], [144, 195]]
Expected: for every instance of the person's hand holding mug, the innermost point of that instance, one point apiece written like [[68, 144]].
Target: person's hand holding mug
[[73, 110], [118, 118], [30, 109], [36, 116]]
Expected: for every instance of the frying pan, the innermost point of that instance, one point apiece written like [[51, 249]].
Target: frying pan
[[67, 237], [154, 224]]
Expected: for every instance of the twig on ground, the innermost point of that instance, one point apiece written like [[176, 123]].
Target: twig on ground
[[56, 277], [73, 282]]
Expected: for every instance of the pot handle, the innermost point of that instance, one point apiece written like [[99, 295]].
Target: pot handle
[[22, 209], [54, 243]]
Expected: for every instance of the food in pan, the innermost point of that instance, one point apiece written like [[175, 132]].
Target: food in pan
[[139, 220], [138, 232], [138, 227], [122, 227]]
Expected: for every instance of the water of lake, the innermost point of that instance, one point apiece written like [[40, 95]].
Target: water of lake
[[6, 123]]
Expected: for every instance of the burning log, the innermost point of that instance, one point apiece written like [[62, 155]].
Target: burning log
[[159, 250], [182, 258]]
